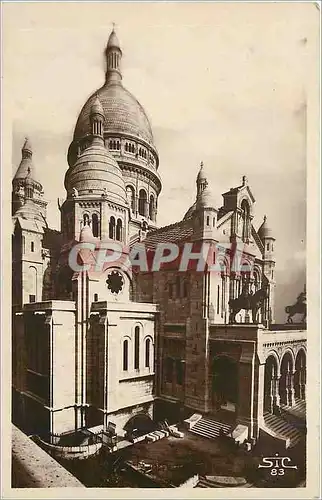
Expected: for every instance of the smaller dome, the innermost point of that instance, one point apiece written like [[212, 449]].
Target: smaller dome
[[26, 171], [205, 199], [265, 231], [96, 172], [30, 211], [201, 177], [113, 41]]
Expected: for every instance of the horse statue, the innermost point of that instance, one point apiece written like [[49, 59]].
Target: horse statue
[[298, 308], [249, 301]]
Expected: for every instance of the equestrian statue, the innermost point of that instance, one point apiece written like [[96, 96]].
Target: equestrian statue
[[249, 301], [298, 308]]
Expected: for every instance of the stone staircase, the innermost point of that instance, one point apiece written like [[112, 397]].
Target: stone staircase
[[282, 429], [210, 428], [298, 410]]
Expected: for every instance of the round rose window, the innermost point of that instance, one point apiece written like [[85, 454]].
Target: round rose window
[[115, 282]]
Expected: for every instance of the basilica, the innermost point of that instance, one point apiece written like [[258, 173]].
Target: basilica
[[125, 348]]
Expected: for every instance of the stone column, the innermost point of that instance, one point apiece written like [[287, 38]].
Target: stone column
[[302, 382], [290, 387], [246, 414], [276, 393]]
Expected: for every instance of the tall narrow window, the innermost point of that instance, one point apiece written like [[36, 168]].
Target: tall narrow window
[[119, 230], [170, 290], [151, 207], [95, 225], [245, 219], [111, 229], [125, 355], [86, 220], [185, 288], [147, 353], [208, 220], [218, 299], [142, 202], [130, 197], [32, 246], [137, 348]]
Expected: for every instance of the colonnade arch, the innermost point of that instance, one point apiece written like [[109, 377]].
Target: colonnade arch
[[284, 379]]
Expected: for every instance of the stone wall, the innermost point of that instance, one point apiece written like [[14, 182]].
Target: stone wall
[[32, 467]]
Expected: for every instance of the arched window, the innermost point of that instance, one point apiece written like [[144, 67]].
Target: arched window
[[111, 229], [125, 355], [245, 219], [137, 347], [151, 207], [119, 230], [147, 353], [85, 220], [95, 225], [130, 196], [32, 282], [142, 202]]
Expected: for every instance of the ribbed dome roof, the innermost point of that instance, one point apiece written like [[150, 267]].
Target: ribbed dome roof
[[123, 113], [96, 172], [29, 211], [205, 199]]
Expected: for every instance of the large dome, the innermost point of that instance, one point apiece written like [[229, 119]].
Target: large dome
[[123, 113]]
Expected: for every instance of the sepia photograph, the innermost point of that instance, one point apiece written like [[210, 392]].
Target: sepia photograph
[[160, 249]]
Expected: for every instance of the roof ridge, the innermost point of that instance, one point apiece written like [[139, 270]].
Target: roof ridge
[[163, 228]]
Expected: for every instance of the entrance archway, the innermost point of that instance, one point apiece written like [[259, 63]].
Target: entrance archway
[[225, 382], [138, 425]]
